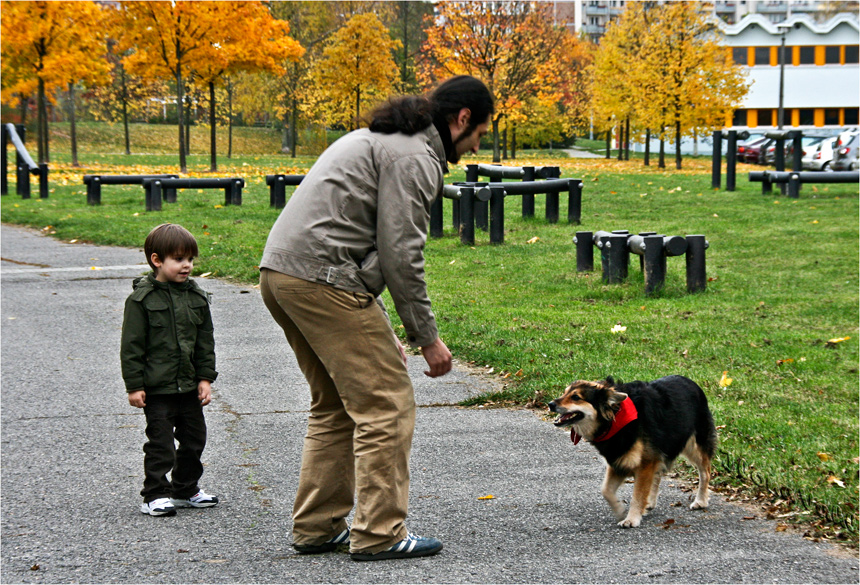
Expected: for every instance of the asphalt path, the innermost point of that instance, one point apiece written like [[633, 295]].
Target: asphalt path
[[72, 465]]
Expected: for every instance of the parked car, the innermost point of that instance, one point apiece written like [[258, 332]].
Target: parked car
[[742, 146], [846, 158], [819, 157], [808, 143], [753, 150]]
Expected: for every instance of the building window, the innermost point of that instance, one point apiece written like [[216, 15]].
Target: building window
[[807, 117], [807, 55], [739, 54], [765, 118], [740, 118], [851, 54], [851, 115], [831, 55], [831, 117], [762, 56]]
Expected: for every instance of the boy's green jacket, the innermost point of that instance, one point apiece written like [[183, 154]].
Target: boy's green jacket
[[168, 344]]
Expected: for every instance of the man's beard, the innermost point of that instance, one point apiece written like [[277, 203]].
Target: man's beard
[[453, 155]]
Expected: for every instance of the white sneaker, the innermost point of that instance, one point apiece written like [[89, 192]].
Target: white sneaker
[[159, 507], [199, 500]]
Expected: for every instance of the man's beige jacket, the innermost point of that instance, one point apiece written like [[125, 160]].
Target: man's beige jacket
[[358, 221]]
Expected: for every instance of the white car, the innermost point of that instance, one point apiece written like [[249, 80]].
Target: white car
[[819, 156]]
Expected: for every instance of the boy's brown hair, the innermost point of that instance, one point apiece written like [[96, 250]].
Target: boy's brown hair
[[169, 239]]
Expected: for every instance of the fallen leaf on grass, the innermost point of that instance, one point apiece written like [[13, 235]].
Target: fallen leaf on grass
[[832, 479], [488, 497], [725, 380], [823, 456], [533, 240]]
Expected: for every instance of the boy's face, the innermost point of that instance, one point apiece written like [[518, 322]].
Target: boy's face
[[173, 268]]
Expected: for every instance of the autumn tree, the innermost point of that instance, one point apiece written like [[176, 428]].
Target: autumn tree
[[253, 41], [357, 68], [501, 43], [45, 47], [163, 39]]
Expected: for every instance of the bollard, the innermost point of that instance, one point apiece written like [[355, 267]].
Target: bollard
[[717, 160], [600, 238], [616, 271], [24, 180], [467, 216], [584, 251], [552, 199], [497, 215], [153, 196], [529, 198], [574, 202], [654, 264], [696, 275], [436, 218], [278, 193], [731, 159], [94, 191], [794, 185], [481, 212], [4, 161], [43, 180]]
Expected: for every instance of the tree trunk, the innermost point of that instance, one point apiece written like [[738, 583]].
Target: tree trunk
[[505, 143], [648, 147], [187, 123], [496, 153], [662, 159], [124, 101], [620, 142], [25, 101], [294, 120], [627, 139], [230, 119], [41, 123], [183, 166], [357, 107], [608, 144], [72, 127], [514, 142], [678, 144], [213, 156]]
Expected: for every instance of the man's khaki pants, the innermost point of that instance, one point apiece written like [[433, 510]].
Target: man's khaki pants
[[362, 413]]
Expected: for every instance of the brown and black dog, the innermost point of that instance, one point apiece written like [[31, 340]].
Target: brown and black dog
[[640, 428]]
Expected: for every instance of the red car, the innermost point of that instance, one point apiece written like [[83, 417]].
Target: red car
[[754, 153]]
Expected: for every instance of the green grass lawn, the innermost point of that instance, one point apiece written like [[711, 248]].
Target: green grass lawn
[[783, 282]]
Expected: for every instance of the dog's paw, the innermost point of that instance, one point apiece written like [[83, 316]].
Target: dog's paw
[[630, 522], [697, 505]]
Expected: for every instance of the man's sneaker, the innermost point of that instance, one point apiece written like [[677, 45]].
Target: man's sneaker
[[328, 546], [410, 547], [159, 507], [199, 500]]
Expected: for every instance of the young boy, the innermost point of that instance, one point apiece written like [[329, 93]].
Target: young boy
[[168, 365]]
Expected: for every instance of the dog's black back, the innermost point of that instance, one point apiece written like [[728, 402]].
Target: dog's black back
[[671, 410]]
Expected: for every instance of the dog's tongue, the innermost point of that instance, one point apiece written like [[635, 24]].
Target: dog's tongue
[[574, 436]]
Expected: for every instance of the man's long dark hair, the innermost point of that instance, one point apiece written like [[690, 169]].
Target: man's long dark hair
[[411, 114]]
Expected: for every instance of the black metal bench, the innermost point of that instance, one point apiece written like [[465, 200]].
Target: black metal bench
[[796, 178], [94, 183], [157, 187], [277, 188]]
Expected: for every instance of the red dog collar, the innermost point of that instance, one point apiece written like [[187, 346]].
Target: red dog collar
[[625, 415]]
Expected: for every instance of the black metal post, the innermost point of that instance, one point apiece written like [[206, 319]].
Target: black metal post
[[278, 193], [94, 191], [625, 255], [43, 180], [654, 264], [528, 199], [22, 170], [574, 202], [4, 170], [552, 199], [584, 251], [617, 259], [155, 194], [766, 184], [497, 216], [731, 159], [467, 216], [696, 275], [794, 186], [436, 218], [600, 239], [236, 191], [797, 150], [717, 160]]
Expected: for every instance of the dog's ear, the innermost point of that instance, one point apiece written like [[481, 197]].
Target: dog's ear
[[611, 403], [609, 381]]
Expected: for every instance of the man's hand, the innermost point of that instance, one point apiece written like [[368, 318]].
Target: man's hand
[[204, 392], [438, 357], [137, 398], [400, 347]]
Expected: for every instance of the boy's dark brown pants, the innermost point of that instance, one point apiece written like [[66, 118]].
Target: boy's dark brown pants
[[170, 416], [362, 413]]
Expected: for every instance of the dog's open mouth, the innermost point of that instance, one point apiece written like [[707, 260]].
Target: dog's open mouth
[[569, 418]]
